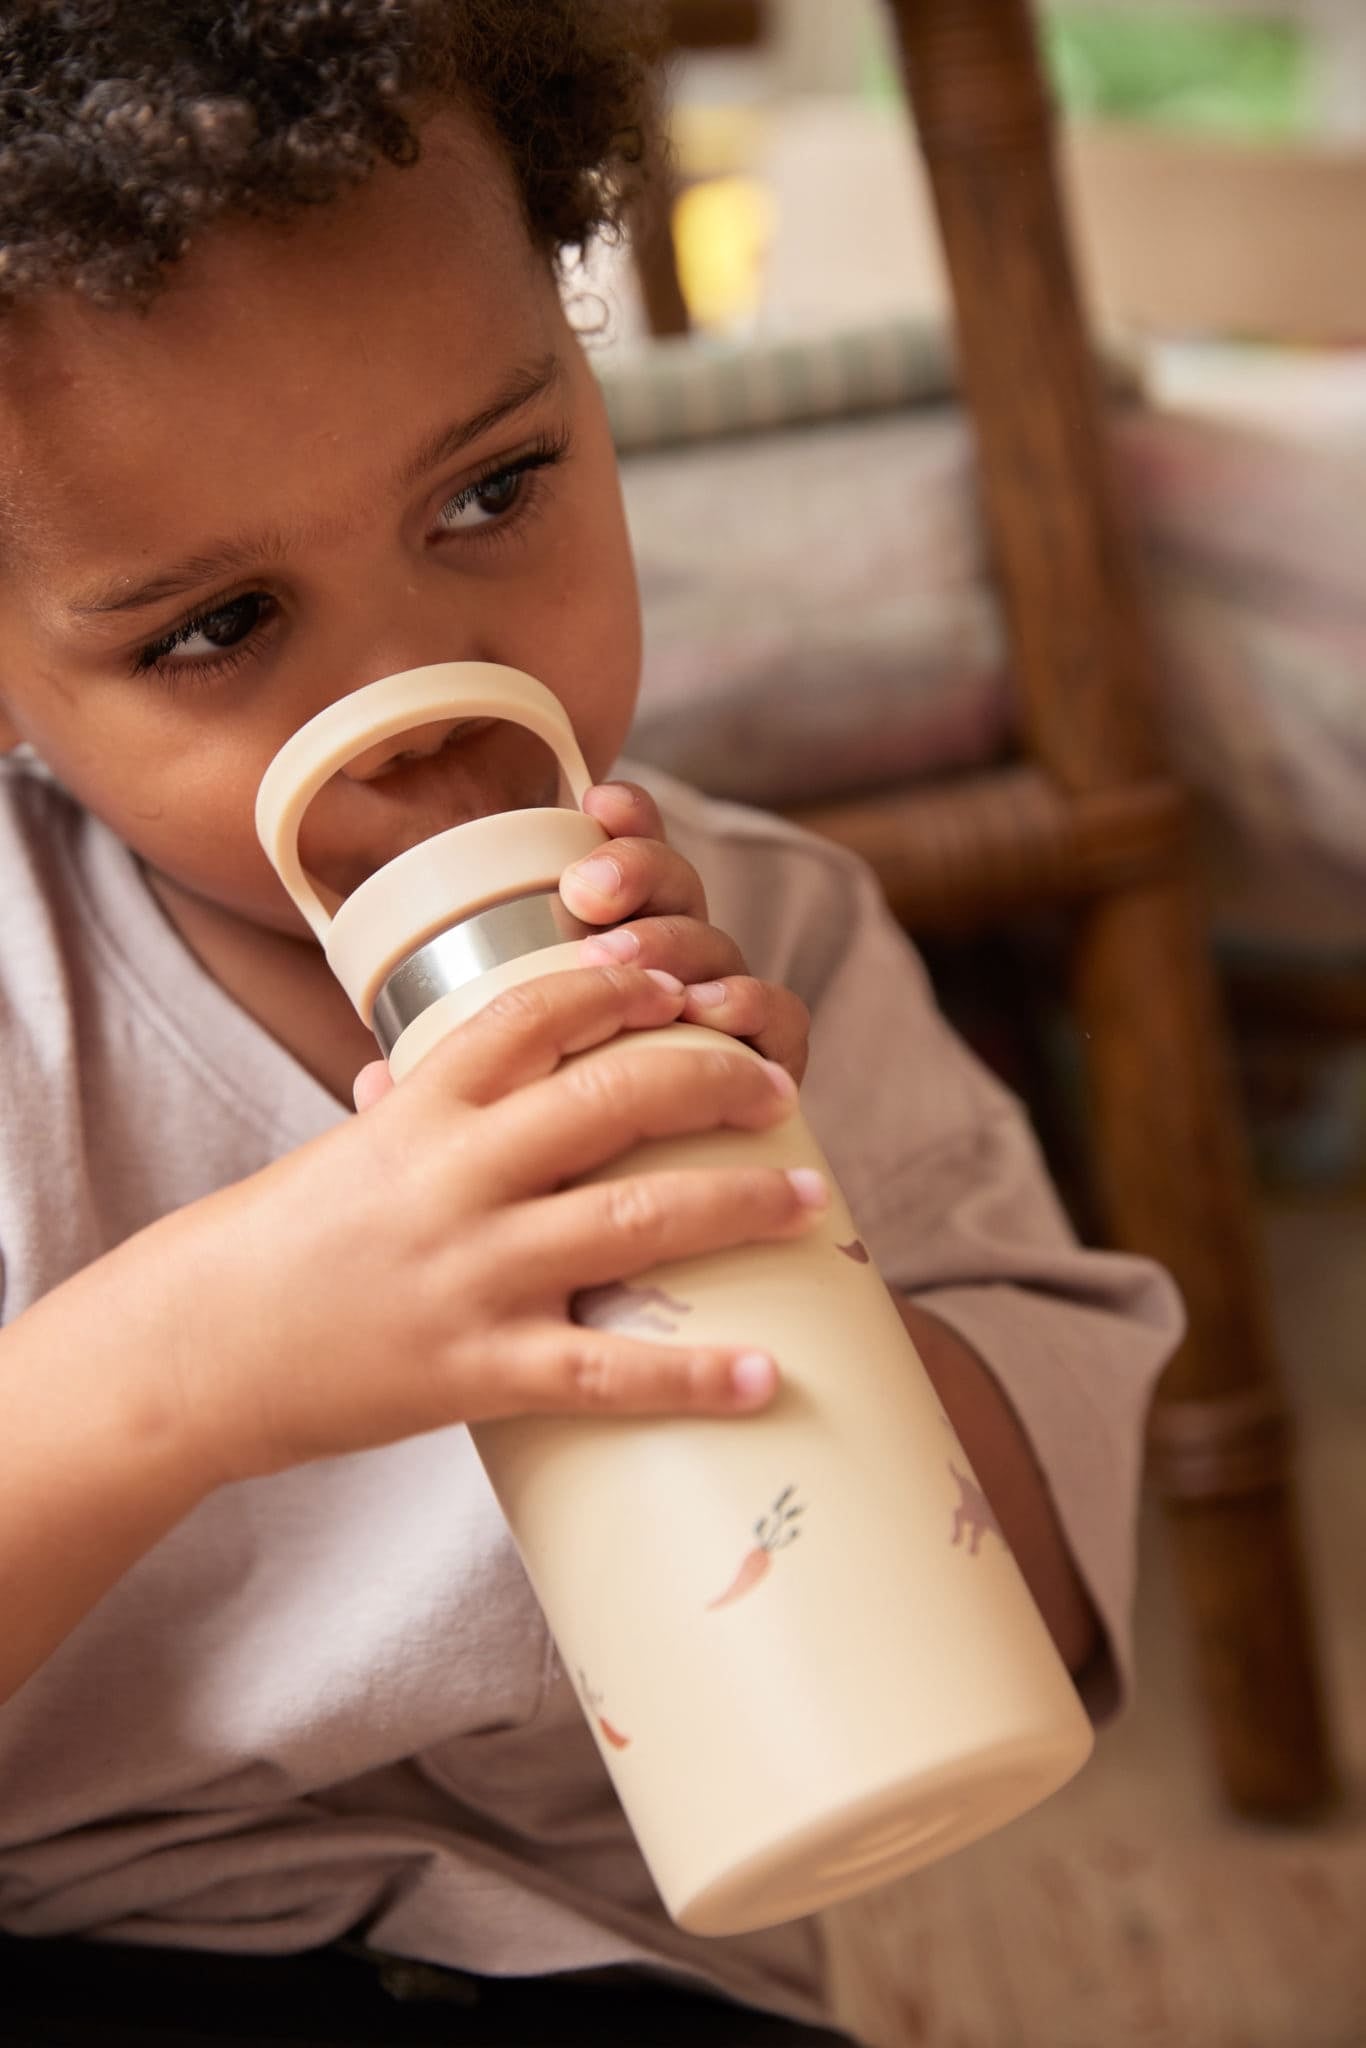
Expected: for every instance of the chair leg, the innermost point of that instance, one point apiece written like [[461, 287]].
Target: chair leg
[[1176, 1183], [1165, 1116], [654, 254]]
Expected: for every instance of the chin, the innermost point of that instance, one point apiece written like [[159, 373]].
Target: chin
[[261, 905]]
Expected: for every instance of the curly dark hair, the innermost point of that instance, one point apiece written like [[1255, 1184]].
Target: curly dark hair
[[125, 125]]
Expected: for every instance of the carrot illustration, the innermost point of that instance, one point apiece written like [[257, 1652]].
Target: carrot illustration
[[755, 1565], [856, 1250], [773, 1532], [593, 1701]]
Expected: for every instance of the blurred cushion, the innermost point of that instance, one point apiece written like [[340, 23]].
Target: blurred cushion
[[820, 620], [700, 387], [816, 618]]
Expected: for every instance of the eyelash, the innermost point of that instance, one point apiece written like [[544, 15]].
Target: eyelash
[[544, 453]]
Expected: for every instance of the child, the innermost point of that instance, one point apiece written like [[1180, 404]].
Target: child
[[288, 402]]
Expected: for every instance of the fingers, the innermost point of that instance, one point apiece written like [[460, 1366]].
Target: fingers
[[719, 992], [556, 1368], [523, 1034], [637, 873], [685, 946], [605, 1234], [625, 810], [605, 1104], [774, 1021], [371, 1085], [629, 876]]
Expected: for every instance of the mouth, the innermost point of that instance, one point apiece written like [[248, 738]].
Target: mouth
[[483, 766]]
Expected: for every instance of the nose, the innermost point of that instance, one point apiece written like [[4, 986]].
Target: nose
[[419, 743]]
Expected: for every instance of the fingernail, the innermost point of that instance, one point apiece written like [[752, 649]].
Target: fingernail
[[753, 1376], [669, 981], [708, 993], [781, 1080], [601, 874], [809, 1187], [619, 946]]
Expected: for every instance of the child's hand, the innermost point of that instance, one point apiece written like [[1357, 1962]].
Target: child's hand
[[640, 879], [415, 1267]]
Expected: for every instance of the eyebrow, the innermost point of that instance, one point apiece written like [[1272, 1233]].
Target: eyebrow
[[226, 557]]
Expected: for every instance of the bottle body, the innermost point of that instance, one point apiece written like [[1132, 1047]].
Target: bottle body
[[808, 1657], [805, 1650]]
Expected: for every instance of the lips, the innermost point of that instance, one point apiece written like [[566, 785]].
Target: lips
[[484, 766]]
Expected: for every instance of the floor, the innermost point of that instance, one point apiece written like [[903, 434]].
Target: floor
[[1131, 1910]]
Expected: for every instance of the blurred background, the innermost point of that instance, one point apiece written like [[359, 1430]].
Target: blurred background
[[1069, 636]]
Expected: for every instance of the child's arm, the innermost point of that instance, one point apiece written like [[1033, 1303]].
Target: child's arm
[[96, 1463], [410, 1269], [1004, 1462]]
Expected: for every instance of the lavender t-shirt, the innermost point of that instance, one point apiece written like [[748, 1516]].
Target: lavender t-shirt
[[328, 1699]]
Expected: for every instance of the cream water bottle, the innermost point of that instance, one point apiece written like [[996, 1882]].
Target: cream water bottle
[[807, 1655]]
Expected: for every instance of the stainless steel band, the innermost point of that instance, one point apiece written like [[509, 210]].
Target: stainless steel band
[[460, 955]]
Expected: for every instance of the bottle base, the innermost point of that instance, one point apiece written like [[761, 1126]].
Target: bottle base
[[891, 1833]]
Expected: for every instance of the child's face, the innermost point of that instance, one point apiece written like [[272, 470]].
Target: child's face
[[354, 444]]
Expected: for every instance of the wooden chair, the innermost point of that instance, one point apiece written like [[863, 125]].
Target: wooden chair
[[689, 25], [1093, 820]]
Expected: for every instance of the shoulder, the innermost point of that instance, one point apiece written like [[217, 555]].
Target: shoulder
[[792, 902], [48, 991], [45, 1000], [729, 833], [38, 912], [889, 1079]]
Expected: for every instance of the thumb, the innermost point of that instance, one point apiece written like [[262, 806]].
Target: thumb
[[371, 1084]]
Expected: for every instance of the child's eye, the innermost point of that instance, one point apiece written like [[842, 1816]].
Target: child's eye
[[203, 640], [500, 492], [480, 503], [216, 640]]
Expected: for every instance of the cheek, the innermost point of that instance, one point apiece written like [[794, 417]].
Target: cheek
[[204, 839], [188, 812], [606, 675], [596, 664]]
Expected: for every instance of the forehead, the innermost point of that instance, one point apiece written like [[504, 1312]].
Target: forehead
[[277, 354]]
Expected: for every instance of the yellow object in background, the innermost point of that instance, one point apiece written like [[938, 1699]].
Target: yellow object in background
[[722, 228]]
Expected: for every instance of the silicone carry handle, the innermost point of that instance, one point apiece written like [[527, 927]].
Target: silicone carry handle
[[380, 711]]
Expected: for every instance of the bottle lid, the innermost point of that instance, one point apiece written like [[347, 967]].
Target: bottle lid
[[456, 873]]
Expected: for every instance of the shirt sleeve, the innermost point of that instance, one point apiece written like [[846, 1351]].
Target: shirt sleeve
[[942, 1172]]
